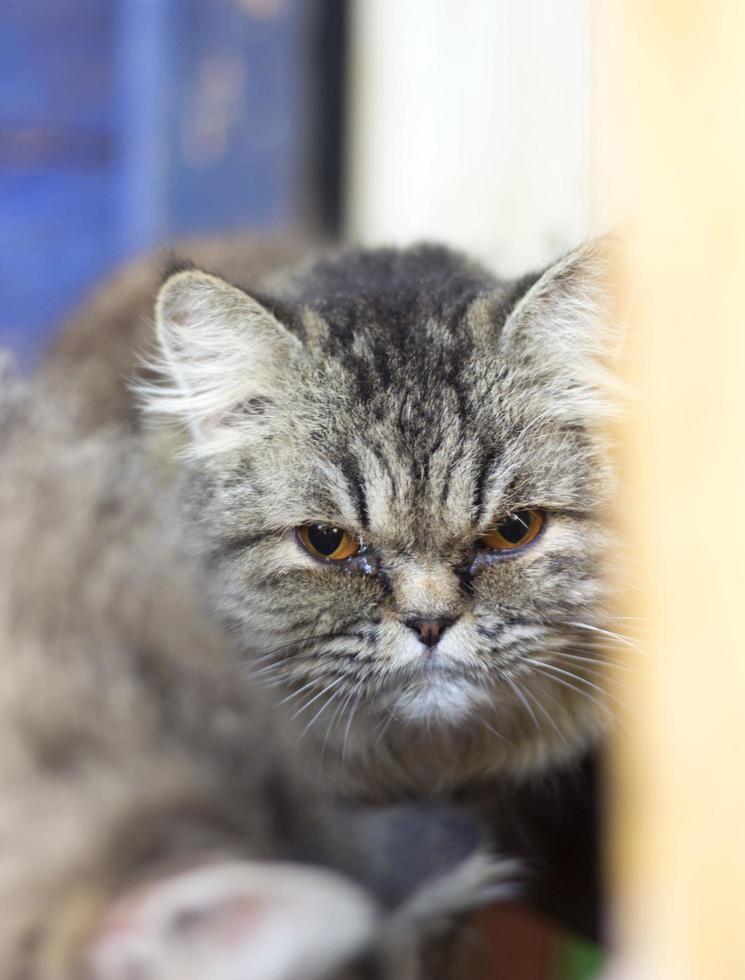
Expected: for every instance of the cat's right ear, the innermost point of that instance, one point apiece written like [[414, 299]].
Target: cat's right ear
[[219, 350]]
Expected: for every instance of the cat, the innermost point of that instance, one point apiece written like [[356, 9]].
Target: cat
[[401, 467], [158, 817]]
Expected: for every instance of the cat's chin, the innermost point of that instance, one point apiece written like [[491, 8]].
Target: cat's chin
[[443, 734], [438, 699]]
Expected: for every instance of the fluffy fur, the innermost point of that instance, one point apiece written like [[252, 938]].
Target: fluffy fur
[[411, 398], [132, 747], [98, 348]]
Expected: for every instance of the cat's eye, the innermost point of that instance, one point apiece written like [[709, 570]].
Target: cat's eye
[[513, 531], [327, 542]]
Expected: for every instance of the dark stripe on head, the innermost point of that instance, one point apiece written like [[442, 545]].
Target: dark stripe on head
[[483, 478], [351, 470], [383, 463], [427, 462]]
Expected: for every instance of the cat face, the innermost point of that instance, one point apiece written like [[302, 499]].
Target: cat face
[[402, 474]]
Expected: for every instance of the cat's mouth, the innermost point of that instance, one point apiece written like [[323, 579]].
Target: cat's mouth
[[435, 667]]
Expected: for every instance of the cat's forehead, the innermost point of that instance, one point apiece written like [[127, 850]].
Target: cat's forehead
[[430, 465], [422, 478], [388, 305], [405, 461], [407, 413]]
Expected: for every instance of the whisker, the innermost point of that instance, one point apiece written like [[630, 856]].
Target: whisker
[[389, 717], [329, 687], [273, 658], [544, 711], [547, 694], [604, 662], [577, 690], [296, 693], [320, 711], [255, 661], [521, 697], [599, 673], [580, 678], [486, 724], [336, 716], [293, 645], [641, 622], [539, 704], [609, 634], [281, 682], [268, 670], [352, 712], [518, 620], [347, 699], [616, 719]]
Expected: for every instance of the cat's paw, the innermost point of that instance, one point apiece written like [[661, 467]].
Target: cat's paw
[[233, 921]]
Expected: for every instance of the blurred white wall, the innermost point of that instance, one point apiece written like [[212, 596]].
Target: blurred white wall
[[470, 124]]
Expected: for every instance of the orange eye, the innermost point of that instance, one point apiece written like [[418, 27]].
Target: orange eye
[[327, 542], [513, 531]]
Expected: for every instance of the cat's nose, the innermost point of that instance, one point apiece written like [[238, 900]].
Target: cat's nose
[[429, 631]]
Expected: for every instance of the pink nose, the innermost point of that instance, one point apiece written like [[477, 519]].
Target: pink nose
[[429, 631]]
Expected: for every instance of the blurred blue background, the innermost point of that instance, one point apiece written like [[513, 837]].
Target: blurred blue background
[[124, 123]]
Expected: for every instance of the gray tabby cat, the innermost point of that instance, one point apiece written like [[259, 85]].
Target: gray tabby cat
[[156, 816], [400, 464]]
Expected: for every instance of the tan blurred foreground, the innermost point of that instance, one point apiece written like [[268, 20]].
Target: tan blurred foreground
[[672, 76]]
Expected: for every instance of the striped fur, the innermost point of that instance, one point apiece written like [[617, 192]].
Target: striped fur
[[411, 398]]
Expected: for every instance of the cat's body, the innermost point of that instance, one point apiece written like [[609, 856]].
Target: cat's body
[[134, 750], [411, 399]]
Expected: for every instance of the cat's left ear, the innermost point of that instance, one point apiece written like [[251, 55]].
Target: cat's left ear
[[569, 311], [565, 327]]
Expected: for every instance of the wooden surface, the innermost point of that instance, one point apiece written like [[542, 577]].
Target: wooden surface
[[513, 943], [678, 70]]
